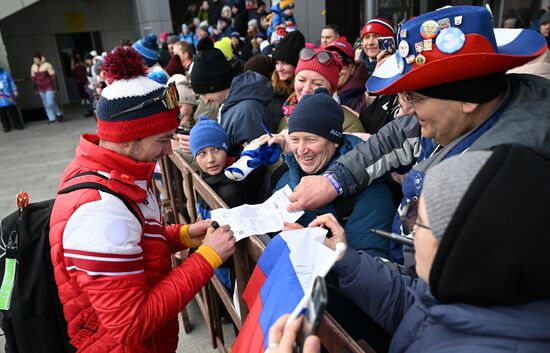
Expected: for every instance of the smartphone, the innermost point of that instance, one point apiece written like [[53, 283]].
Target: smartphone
[[387, 44], [313, 313]]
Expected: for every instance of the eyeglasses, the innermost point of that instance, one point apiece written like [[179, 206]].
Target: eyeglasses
[[412, 101], [169, 98], [409, 216], [323, 57]]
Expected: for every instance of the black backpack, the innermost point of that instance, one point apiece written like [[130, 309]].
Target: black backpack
[[34, 321]]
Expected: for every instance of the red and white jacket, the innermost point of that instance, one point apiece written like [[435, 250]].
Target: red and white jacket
[[115, 278]]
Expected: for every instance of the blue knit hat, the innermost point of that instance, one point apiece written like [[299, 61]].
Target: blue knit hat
[[158, 76], [207, 133], [148, 48], [318, 114]]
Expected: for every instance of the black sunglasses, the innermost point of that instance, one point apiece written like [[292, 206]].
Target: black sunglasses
[[409, 216], [169, 98], [323, 57]]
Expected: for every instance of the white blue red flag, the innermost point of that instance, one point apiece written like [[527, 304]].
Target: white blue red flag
[[284, 274]]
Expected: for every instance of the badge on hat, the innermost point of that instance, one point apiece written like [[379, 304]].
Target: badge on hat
[[403, 48], [458, 20], [410, 59], [400, 62], [450, 40], [429, 29], [444, 23], [420, 59], [427, 44], [418, 47], [403, 33]]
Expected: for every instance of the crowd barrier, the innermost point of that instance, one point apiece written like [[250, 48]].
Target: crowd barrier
[[180, 186]]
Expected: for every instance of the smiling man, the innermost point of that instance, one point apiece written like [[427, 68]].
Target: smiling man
[[110, 247], [451, 69]]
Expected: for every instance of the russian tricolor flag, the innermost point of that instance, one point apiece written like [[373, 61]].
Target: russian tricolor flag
[[284, 273]]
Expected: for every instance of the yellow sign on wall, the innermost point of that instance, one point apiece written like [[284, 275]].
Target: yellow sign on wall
[[75, 21]]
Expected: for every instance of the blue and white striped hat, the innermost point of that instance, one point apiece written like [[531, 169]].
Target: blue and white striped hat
[[148, 48]]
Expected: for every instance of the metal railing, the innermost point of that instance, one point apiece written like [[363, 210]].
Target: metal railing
[[182, 184]]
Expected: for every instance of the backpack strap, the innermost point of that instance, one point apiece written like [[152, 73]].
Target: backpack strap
[[98, 185]]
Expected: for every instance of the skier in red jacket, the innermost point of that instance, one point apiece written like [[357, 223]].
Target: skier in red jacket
[[113, 270]]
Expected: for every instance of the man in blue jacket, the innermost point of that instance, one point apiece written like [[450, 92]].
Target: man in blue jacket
[[450, 70]]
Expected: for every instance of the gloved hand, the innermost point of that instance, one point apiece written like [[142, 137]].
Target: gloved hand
[[256, 154]]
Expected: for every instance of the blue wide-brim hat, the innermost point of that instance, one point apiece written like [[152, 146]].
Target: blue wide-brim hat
[[451, 44]]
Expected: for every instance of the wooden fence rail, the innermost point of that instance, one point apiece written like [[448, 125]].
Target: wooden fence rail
[[182, 184]]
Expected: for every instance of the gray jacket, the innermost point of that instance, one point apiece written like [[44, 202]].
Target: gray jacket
[[524, 120]]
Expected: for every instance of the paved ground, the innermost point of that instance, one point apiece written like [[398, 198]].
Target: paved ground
[[33, 160]]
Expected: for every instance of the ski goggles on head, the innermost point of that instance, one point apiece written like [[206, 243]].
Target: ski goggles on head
[[169, 98], [323, 57]]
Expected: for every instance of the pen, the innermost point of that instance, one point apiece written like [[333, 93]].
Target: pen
[[393, 236], [266, 130]]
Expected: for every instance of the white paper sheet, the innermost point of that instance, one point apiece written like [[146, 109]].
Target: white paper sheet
[[247, 220]]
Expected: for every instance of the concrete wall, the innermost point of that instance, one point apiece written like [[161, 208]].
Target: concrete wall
[[310, 18], [33, 28]]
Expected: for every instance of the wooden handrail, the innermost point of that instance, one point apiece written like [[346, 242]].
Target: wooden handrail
[[183, 184]]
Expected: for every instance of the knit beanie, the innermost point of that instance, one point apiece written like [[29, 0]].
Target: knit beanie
[[489, 210], [163, 36], [261, 64], [211, 70], [148, 48], [441, 200], [331, 71], [172, 38], [158, 75], [474, 90], [187, 96], [128, 87], [207, 133], [545, 17], [380, 26], [289, 47], [224, 45], [318, 114]]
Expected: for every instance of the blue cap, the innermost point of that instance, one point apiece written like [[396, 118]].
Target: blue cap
[[207, 133]]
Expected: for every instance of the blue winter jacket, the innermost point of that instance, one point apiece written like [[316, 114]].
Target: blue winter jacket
[[8, 90], [189, 38], [245, 109], [279, 17], [372, 208], [407, 310]]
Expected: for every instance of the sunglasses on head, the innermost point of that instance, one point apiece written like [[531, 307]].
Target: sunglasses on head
[[323, 57], [409, 216], [169, 98]]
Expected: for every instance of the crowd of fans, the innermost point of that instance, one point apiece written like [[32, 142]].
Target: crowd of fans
[[247, 77]]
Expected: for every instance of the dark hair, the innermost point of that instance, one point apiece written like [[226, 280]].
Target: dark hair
[[333, 27], [37, 55], [125, 43]]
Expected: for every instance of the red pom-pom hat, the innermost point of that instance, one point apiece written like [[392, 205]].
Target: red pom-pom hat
[[380, 26], [129, 87]]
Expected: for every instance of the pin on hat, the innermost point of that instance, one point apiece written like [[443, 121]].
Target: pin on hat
[[449, 41], [476, 49], [429, 29], [444, 23], [427, 45], [403, 48]]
